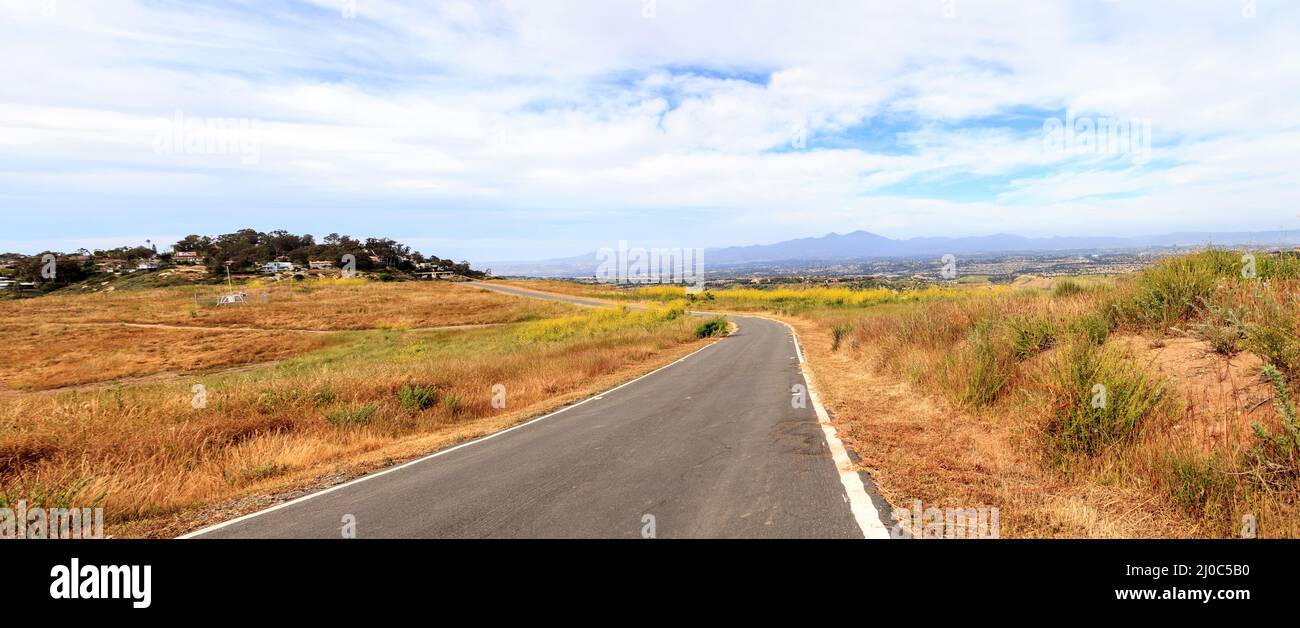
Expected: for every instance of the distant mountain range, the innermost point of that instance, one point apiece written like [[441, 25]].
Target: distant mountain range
[[866, 246]]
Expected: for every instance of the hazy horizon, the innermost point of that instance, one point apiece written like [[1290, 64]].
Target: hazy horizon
[[164, 243]]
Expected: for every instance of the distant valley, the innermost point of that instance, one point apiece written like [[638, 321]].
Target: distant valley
[[838, 250]]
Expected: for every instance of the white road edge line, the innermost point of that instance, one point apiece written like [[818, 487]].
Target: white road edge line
[[864, 510], [436, 454]]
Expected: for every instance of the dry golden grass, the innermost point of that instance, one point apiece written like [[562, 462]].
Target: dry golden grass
[[70, 340], [334, 410], [325, 305], [52, 356]]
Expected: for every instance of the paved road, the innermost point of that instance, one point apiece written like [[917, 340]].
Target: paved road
[[710, 447]]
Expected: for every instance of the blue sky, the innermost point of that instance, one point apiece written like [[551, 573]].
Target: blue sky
[[513, 130]]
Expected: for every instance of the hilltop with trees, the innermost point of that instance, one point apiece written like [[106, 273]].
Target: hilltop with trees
[[244, 251], [248, 249]]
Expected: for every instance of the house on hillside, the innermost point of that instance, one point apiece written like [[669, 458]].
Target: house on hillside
[[320, 264], [188, 258], [7, 283], [436, 274], [109, 265], [271, 268], [148, 265]]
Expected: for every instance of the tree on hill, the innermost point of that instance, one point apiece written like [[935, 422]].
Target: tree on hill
[[194, 244], [245, 250], [66, 269], [129, 254]]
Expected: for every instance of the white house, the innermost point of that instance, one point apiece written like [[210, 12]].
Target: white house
[[277, 267], [187, 257], [436, 274]]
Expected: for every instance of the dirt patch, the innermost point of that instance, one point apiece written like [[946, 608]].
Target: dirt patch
[[1035, 282], [1224, 395]]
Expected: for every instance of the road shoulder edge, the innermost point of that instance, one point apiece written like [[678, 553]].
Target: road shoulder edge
[[861, 501]]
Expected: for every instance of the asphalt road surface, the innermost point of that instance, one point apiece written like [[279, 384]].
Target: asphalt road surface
[[708, 447]]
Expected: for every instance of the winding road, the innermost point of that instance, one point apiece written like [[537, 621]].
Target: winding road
[[711, 446]]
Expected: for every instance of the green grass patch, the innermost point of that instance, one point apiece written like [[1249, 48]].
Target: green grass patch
[[716, 326], [416, 398], [1197, 487], [1171, 291], [453, 405], [838, 333], [1276, 457], [1099, 398], [977, 371], [1273, 332], [1092, 328], [1066, 288], [1031, 335], [352, 415]]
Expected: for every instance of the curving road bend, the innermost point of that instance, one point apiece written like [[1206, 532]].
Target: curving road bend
[[708, 447]]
